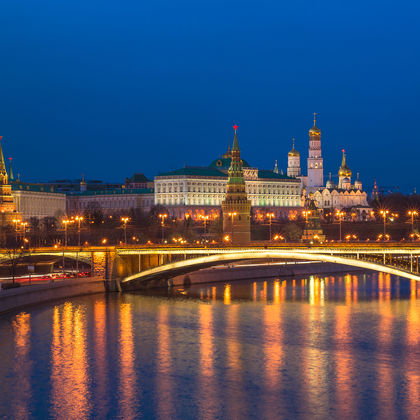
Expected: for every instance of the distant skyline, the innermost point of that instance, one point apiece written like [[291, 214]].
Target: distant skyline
[[108, 89]]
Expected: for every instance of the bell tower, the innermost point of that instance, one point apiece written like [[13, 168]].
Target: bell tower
[[315, 160], [236, 207]]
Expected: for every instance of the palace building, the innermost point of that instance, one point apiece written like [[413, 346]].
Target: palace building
[[194, 190]]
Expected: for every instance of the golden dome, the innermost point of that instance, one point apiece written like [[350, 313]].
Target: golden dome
[[294, 152], [344, 170], [315, 130]]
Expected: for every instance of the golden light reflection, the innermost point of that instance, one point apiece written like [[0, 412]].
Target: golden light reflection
[[208, 405], [164, 363], [385, 371], [128, 389], [272, 344], [99, 314], [254, 291], [234, 366], [227, 294], [344, 363], [314, 359], [70, 392], [22, 366], [411, 373], [276, 292]]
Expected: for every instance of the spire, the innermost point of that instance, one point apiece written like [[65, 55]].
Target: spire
[[276, 169], [235, 139], [10, 170], [343, 161], [2, 164]]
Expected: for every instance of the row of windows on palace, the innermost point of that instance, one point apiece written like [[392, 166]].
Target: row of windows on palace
[[219, 188]]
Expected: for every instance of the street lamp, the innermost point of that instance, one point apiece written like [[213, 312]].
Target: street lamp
[[16, 221], [162, 223], [340, 214], [270, 216], [78, 219], [412, 213], [384, 213], [205, 219], [65, 223], [232, 215], [125, 220], [24, 224]]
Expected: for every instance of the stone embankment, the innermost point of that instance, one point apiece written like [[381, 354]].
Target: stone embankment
[[24, 296]]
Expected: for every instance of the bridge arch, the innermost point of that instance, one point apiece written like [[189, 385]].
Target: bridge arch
[[194, 264]]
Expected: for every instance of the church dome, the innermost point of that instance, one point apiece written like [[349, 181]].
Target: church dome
[[344, 170], [293, 152], [358, 183], [329, 184], [315, 130]]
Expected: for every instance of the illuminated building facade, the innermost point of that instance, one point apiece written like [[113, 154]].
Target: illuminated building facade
[[112, 201], [198, 190]]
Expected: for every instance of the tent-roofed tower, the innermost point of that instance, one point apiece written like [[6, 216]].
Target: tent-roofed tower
[[236, 207], [344, 172], [7, 205]]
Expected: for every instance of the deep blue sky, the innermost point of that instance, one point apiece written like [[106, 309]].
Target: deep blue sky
[[109, 88]]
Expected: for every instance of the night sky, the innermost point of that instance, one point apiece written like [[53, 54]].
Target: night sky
[[109, 88]]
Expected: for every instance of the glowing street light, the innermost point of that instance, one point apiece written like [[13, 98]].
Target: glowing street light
[[232, 215], [384, 214], [306, 213], [162, 223], [125, 220], [270, 216], [78, 219], [340, 214], [205, 219], [65, 223], [16, 222], [412, 213]]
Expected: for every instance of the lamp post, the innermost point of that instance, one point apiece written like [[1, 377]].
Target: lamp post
[[306, 213], [340, 214], [24, 224], [125, 220], [205, 219], [412, 213], [270, 216], [16, 221], [232, 215], [162, 217], [79, 219], [65, 223], [384, 213]]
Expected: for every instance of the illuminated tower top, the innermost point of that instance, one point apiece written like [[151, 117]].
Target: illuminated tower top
[[3, 172], [315, 161], [11, 178]]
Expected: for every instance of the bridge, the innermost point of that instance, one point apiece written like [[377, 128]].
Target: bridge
[[135, 267]]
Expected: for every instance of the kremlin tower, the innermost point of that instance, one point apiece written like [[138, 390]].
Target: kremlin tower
[[293, 162], [315, 162], [7, 205], [236, 207]]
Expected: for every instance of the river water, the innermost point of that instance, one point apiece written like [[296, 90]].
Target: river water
[[341, 346]]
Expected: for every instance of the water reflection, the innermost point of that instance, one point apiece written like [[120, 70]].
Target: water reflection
[[208, 405], [128, 387], [22, 366], [342, 346], [164, 360], [70, 394]]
